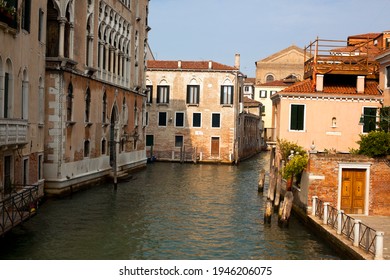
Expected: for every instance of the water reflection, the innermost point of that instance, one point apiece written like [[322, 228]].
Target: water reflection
[[168, 211]]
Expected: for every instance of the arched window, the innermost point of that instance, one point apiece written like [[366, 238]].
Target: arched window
[[87, 105], [52, 31], [7, 96], [69, 103], [41, 97], [86, 148], [269, 78], [104, 147], [25, 95], [104, 109]]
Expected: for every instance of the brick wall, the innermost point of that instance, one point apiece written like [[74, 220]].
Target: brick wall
[[323, 173]]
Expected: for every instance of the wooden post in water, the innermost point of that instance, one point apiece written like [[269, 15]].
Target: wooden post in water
[[280, 211], [261, 181], [272, 183], [286, 209], [278, 188], [268, 212]]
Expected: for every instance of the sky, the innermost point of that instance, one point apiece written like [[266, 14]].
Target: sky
[[218, 29]]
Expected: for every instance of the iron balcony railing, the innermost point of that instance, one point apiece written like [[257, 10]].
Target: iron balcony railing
[[18, 207], [13, 132], [363, 236]]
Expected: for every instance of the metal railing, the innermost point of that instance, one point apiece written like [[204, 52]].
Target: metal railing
[[18, 207], [363, 236], [324, 56]]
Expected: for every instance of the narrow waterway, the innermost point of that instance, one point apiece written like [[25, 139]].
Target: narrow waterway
[[167, 211]]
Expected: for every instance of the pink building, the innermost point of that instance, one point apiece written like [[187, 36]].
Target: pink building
[[341, 85]]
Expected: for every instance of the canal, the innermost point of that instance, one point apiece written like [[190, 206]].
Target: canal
[[167, 211]]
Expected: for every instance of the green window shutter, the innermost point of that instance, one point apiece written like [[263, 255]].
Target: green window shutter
[[297, 117]]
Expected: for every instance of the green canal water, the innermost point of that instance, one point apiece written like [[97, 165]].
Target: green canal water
[[167, 211]]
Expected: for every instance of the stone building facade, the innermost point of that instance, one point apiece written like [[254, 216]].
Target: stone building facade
[[196, 113], [22, 84], [280, 65], [95, 91]]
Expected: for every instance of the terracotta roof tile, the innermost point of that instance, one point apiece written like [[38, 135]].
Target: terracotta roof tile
[[187, 65], [371, 35], [248, 102], [306, 86], [278, 83]]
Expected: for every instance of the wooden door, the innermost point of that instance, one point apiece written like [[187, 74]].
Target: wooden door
[[353, 191], [215, 146]]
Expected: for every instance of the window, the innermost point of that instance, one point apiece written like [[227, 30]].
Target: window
[[26, 15], [87, 105], [263, 94], [41, 97], [149, 140], [40, 167], [40, 25], [162, 94], [215, 120], [7, 96], [86, 148], [162, 118], [146, 118], [369, 119], [297, 117], [273, 92], [388, 76], [269, 78], [226, 95], [25, 172], [196, 120], [178, 140], [25, 87], [104, 109], [149, 96], [179, 119], [69, 103], [193, 94], [104, 147]]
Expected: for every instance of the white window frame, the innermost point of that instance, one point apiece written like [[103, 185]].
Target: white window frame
[[166, 119], [220, 120], [184, 119], [192, 124], [304, 118], [163, 95]]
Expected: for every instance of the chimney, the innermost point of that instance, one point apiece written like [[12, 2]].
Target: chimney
[[319, 82], [210, 64], [179, 64], [237, 61], [360, 84]]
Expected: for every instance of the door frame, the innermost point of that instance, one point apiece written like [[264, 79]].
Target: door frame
[[362, 166], [211, 146]]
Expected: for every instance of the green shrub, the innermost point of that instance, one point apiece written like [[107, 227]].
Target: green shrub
[[285, 148], [375, 144]]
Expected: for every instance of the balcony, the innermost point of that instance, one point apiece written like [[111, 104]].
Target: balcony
[[13, 132], [339, 57], [8, 14]]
